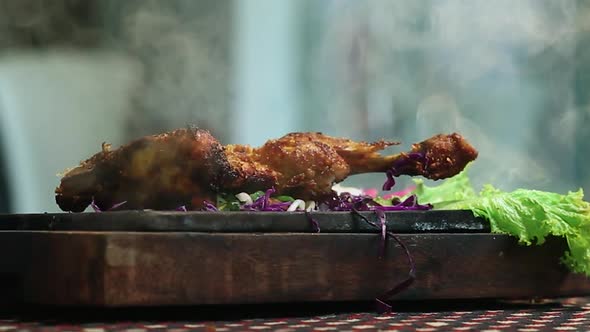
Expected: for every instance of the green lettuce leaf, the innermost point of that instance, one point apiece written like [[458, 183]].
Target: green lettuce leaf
[[227, 203], [284, 198], [457, 188], [529, 215], [382, 201]]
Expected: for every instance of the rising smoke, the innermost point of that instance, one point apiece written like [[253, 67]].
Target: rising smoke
[[500, 72], [185, 49]]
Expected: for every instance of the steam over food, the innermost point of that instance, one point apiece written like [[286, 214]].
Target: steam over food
[[189, 167]]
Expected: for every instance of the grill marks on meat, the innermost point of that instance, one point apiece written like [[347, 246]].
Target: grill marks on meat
[[188, 166]]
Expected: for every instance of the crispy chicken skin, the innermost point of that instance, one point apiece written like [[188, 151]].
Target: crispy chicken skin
[[156, 172], [305, 165], [189, 166]]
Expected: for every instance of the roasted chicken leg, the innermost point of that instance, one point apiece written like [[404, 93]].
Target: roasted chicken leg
[[189, 166]]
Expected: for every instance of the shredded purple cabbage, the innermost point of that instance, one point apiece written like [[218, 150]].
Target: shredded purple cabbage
[[209, 206], [263, 203], [355, 204], [94, 206], [348, 202], [181, 208], [410, 203], [98, 209], [381, 305], [399, 167], [315, 226], [390, 182]]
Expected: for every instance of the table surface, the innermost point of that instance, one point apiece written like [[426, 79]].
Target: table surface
[[565, 315]]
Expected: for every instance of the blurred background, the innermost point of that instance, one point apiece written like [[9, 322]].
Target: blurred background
[[511, 76]]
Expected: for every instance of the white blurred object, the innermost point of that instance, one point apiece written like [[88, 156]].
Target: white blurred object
[[339, 189], [55, 110]]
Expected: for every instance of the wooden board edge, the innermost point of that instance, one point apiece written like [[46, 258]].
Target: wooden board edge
[[148, 269]]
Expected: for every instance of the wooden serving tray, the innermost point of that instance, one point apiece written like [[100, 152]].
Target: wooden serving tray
[[147, 258]]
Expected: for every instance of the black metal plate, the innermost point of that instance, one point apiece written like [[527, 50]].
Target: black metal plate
[[436, 221]]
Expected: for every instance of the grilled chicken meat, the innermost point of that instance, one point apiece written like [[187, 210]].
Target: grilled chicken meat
[[189, 166]]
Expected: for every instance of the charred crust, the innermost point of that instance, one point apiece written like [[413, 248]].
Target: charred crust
[[446, 156], [72, 203], [216, 164]]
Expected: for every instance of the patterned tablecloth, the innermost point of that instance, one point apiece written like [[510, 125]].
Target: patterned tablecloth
[[567, 315]]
